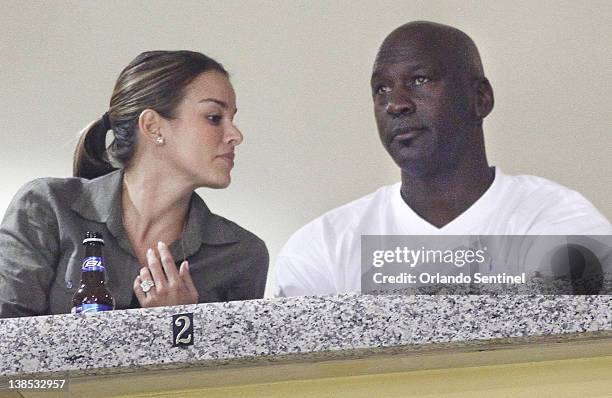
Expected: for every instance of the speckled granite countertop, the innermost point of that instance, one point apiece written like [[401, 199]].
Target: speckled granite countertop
[[272, 330]]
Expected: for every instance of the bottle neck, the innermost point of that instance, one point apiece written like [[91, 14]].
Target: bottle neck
[[92, 268], [93, 277], [93, 250]]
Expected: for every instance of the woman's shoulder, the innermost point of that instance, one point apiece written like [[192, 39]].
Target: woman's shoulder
[[41, 201], [242, 234], [49, 189], [65, 191], [218, 230], [249, 244]]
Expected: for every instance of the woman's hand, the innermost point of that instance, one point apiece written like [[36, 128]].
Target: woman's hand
[[171, 287]]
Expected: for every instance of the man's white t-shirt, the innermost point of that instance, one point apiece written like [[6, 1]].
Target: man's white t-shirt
[[324, 256]]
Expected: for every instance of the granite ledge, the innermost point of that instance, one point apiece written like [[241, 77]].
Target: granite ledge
[[294, 329]]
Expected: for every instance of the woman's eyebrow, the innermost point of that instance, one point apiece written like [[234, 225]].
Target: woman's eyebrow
[[217, 101]]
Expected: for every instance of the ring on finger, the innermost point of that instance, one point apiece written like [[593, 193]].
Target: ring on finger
[[147, 285]]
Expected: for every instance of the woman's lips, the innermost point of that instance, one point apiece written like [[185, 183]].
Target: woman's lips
[[229, 157]]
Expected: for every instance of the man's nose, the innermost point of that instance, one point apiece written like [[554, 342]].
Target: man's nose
[[400, 104]]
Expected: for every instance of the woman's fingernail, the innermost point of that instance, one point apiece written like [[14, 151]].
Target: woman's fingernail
[[160, 245], [186, 264], [149, 251]]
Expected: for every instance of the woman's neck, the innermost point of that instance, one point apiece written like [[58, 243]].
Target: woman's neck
[[155, 207]]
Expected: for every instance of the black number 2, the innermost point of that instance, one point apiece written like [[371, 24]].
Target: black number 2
[[182, 330]]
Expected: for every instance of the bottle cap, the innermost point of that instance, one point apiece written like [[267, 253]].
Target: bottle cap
[[91, 237]]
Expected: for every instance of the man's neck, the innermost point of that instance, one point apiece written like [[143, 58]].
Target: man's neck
[[441, 198]]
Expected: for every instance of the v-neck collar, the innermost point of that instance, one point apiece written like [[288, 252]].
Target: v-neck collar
[[100, 201], [409, 221]]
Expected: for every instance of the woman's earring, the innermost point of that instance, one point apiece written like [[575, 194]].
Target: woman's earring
[[160, 140]]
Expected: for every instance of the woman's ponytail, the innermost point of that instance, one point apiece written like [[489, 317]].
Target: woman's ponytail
[[155, 80], [90, 157]]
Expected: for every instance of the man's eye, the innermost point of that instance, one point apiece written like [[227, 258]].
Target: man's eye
[[419, 80], [382, 89], [214, 119]]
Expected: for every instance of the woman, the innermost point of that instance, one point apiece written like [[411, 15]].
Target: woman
[[171, 115]]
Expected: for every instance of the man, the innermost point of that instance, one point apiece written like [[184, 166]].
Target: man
[[430, 98]]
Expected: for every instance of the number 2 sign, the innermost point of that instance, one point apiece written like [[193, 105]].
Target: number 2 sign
[[182, 330]]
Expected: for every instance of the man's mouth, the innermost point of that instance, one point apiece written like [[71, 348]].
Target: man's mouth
[[406, 135]]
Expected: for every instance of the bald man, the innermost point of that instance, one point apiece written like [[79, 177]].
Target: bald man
[[430, 98]]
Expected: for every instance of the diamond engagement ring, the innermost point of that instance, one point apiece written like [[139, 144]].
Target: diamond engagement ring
[[147, 285]]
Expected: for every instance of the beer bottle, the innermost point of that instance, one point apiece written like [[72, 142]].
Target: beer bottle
[[92, 296]]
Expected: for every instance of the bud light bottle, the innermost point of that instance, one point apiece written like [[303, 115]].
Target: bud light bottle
[[92, 296]]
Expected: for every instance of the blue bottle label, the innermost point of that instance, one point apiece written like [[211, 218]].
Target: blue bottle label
[[88, 308], [92, 264]]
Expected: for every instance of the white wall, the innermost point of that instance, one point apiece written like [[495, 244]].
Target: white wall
[[301, 73]]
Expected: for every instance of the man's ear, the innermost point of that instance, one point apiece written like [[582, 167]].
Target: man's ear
[[484, 98], [149, 124]]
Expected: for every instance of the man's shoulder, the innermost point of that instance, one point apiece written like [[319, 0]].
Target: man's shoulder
[[317, 255], [542, 191], [547, 204], [347, 217], [531, 184]]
